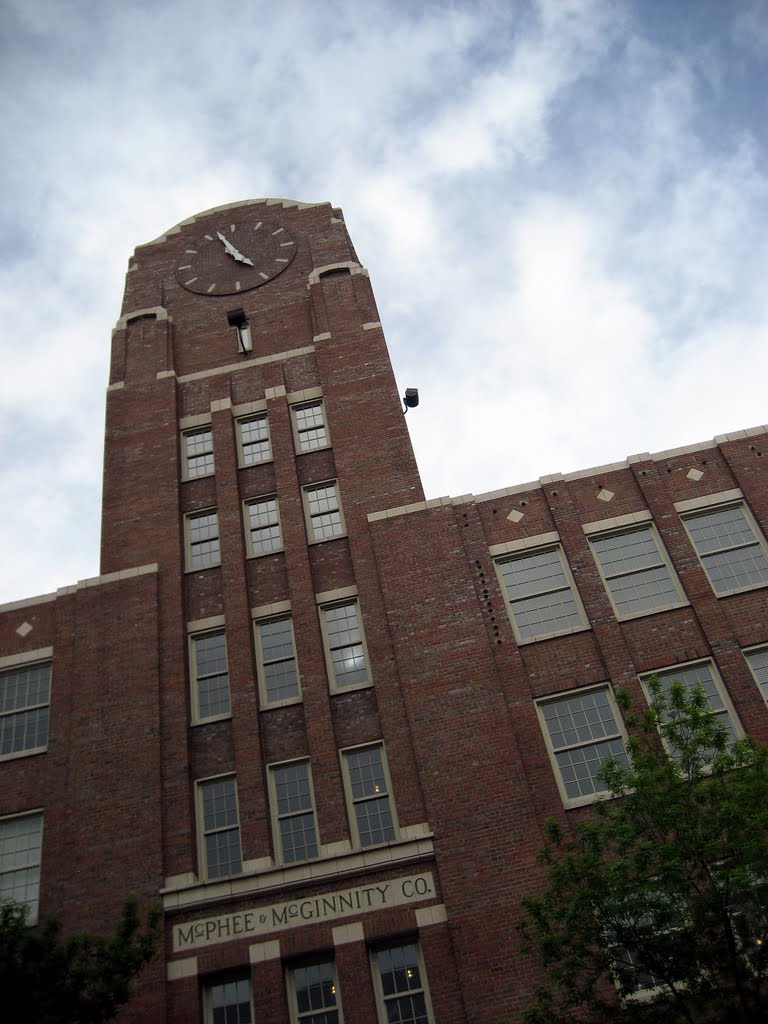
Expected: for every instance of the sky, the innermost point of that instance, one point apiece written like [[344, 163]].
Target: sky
[[562, 205]]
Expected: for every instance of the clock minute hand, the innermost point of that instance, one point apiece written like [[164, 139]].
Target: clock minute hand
[[233, 252]]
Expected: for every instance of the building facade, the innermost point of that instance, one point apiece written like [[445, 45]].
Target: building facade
[[318, 717]]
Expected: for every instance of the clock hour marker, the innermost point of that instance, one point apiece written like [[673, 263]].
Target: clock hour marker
[[278, 231], [187, 266], [277, 260], [257, 226], [233, 227], [209, 237], [237, 286], [211, 287], [283, 244], [189, 282], [192, 252], [262, 274]]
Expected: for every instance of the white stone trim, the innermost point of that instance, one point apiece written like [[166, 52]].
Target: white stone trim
[[734, 494], [437, 914], [24, 657], [261, 952], [186, 968], [618, 522], [539, 541], [348, 933]]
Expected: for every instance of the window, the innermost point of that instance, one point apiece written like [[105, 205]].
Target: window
[[636, 573], [198, 453], [703, 674], [202, 537], [229, 1001], [210, 675], [541, 596], [220, 827], [263, 526], [253, 440], [345, 646], [758, 661], [20, 848], [310, 428], [293, 811], [582, 728], [323, 511], [276, 657], [401, 985], [729, 547], [313, 993], [367, 790], [24, 698]]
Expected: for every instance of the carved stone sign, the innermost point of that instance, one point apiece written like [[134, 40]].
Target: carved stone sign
[[273, 917]]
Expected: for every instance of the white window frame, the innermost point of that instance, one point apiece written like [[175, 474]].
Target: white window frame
[[261, 663], [190, 545], [333, 680], [202, 832], [299, 432], [762, 684], [13, 664], [188, 456], [529, 549], [276, 543], [663, 562], [290, 982], [233, 977], [340, 530], [620, 734], [727, 711], [277, 817], [702, 510], [7, 868], [352, 802], [242, 459], [381, 999], [195, 676]]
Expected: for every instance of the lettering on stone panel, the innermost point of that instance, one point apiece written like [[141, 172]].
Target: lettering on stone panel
[[247, 924]]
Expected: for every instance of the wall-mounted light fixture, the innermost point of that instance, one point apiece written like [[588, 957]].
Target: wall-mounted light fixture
[[411, 398], [237, 318]]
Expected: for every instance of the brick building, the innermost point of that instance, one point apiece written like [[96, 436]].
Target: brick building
[[318, 717]]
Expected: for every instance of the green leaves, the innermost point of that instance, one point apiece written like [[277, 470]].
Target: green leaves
[[654, 905]]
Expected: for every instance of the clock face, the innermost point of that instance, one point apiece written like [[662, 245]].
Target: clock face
[[235, 256]]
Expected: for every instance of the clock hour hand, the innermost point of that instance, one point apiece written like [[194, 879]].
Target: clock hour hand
[[233, 252]]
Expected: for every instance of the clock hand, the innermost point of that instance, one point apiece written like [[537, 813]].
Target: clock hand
[[233, 252]]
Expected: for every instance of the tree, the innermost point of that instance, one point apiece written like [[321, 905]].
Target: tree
[[81, 979], [655, 905]]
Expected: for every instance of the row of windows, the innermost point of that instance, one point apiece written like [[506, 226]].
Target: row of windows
[[261, 516], [543, 601], [314, 996], [277, 663], [294, 818], [310, 432], [582, 728]]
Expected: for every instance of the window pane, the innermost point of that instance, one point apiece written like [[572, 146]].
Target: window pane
[[370, 796], [278, 660], [729, 550], [24, 696], [402, 985], [20, 846], [539, 592], [345, 644], [758, 662], [315, 988], [231, 1002], [310, 426], [264, 525], [254, 440]]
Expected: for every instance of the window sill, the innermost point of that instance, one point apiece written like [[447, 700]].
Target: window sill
[[30, 752], [201, 568], [651, 611], [211, 719], [327, 540], [250, 465], [414, 845], [551, 636], [287, 703], [265, 554], [200, 476], [338, 690], [737, 590]]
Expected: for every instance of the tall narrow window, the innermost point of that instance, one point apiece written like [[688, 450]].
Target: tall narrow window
[[20, 848], [541, 596], [202, 539], [276, 657], [401, 985], [263, 526], [210, 675], [198, 452], [636, 573], [253, 440], [294, 811], [310, 428], [219, 826], [322, 506], [729, 547], [345, 645], [24, 698], [229, 1001], [313, 993], [758, 661], [582, 729], [368, 795]]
